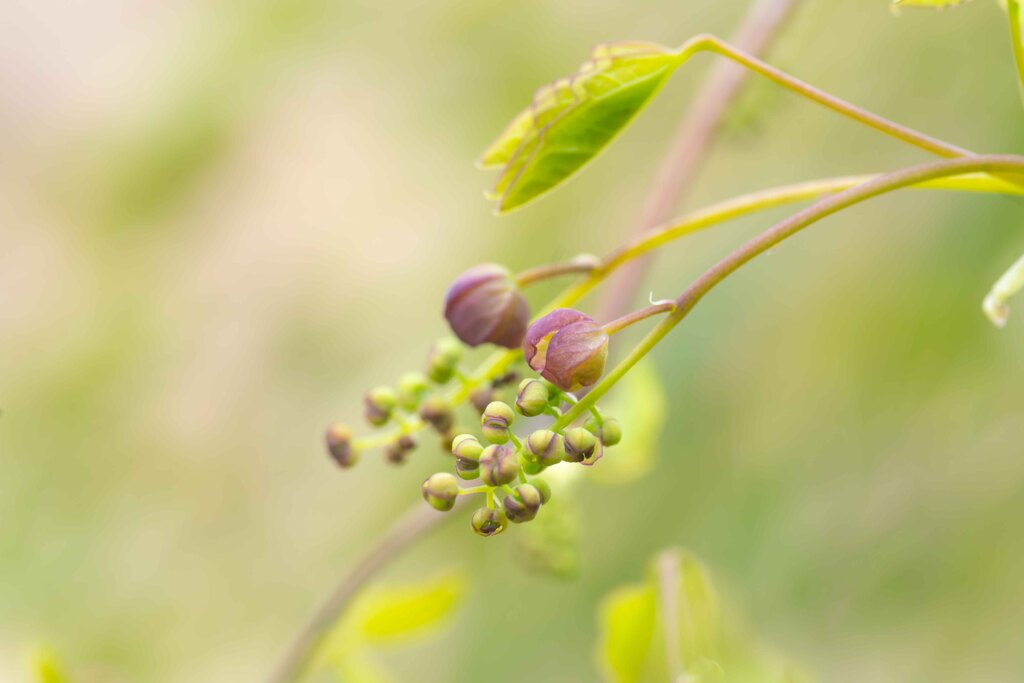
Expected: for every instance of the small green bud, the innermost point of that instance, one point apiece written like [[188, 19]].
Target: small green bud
[[532, 398], [443, 360], [580, 444], [412, 387], [499, 464], [467, 447], [379, 402], [441, 490], [523, 504], [339, 445], [544, 488], [481, 397], [531, 467], [397, 452], [546, 447], [488, 522], [609, 433], [496, 420], [437, 413], [467, 469]]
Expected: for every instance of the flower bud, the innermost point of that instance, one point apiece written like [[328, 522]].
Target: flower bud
[[546, 447], [397, 452], [568, 348], [339, 445], [481, 397], [530, 467], [496, 420], [532, 398], [467, 469], [412, 387], [379, 402], [488, 522], [609, 432], [580, 444], [544, 488], [507, 378], [443, 360], [523, 504], [441, 490], [437, 413], [484, 305], [499, 465], [467, 447]]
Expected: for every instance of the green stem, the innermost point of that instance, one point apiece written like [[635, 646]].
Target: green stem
[[710, 43], [773, 236], [580, 264], [1013, 10], [499, 361]]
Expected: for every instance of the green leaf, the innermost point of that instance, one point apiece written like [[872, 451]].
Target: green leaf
[[390, 613], [627, 619], [641, 405], [698, 611], [570, 121], [550, 543]]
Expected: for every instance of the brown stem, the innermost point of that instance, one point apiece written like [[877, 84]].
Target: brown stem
[[693, 140], [580, 264], [636, 316]]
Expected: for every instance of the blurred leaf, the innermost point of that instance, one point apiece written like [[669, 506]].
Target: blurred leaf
[[570, 121], [626, 620], [641, 405], [550, 543], [936, 4], [46, 668], [698, 611], [355, 668], [391, 613], [1012, 281]]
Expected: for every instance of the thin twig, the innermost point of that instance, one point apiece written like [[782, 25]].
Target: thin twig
[[407, 530], [692, 142]]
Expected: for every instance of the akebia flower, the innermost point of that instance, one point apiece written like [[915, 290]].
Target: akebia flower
[[567, 348], [484, 305]]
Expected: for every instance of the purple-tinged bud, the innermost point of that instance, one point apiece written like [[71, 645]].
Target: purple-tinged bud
[[467, 447], [412, 387], [545, 447], [507, 378], [488, 522], [568, 348], [397, 452], [580, 444], [484, 305], [523, 504], [380, 403], [499, 465], [339, 445], [481, 397], [533, 397], [496, 420], [467, 469], [609, 432], [443, 360], [441, 490], [544, 488], [436, 412]]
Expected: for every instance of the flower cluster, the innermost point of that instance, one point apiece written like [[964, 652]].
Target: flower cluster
[[568, 350]]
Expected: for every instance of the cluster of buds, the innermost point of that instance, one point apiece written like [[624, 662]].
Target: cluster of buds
[[566, 348], [506, 466]]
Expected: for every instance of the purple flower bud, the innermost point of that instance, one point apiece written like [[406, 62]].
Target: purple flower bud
[[567, 348], [339, 445], [483, 305]]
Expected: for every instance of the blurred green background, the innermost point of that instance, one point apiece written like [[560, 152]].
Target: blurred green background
[[221, 222]]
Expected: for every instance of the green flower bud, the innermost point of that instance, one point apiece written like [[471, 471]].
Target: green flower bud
[[580, 444], [532, 398], [397, 452], [523, 504], [437, 413], [412, 387], [488, 522], [499, 464], [339, 445], [443, 360], [467, 447], [481, 397], [544, 488], [441, 490], [380, 403], [467, 469], [609, 433], [546, 447], [496, 420]]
